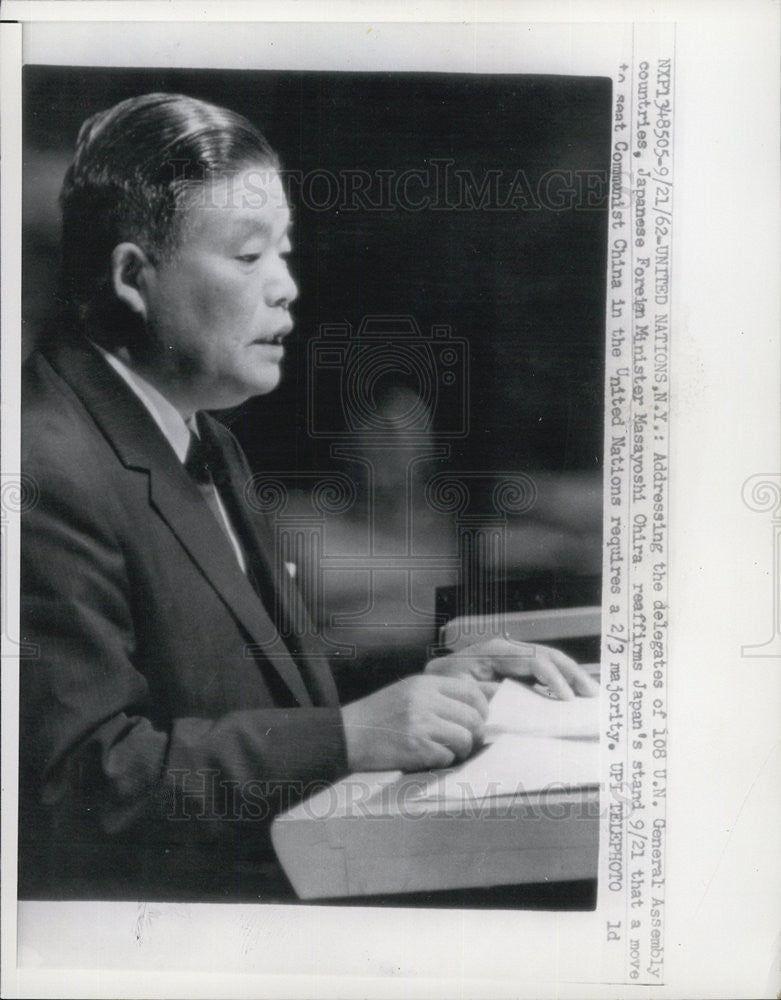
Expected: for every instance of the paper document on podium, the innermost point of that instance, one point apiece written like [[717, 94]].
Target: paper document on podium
[[515, 765], [535, 743], [518, 708]]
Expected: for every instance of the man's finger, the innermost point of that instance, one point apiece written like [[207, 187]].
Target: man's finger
[[456, 738], [548, 673], [584, 685], [434, 756], [462, 714], [489, 688], [461, 665], [578, 679], [464, 689]]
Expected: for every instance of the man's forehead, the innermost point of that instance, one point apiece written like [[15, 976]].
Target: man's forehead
[[253, 188], [247, 222], [244, 204]]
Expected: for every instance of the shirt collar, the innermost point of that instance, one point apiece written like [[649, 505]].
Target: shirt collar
[[176, 431]]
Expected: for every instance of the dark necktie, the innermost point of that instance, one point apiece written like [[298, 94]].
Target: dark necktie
[[199, 464], [196, 461], [208, 459], [208, 468]]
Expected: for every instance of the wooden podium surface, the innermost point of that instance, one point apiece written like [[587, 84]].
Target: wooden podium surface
[[369, 835]]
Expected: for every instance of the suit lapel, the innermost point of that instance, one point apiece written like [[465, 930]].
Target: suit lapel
[[139, 444], [289, 606]]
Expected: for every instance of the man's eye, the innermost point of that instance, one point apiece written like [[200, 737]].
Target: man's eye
[[248, 258]]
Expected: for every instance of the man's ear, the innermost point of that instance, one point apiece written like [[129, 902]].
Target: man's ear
[[129, 275]]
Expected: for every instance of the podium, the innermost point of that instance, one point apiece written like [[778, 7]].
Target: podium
[[385, 832]]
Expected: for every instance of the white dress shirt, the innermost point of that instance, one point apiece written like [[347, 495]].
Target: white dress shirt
[[177, 432]]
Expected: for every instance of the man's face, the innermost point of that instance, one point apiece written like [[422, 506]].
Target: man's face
[[217, 307]]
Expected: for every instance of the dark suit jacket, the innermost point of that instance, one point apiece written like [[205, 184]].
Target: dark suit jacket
[[163, 719]]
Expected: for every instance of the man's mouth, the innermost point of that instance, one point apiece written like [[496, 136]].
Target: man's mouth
[[277, 339]]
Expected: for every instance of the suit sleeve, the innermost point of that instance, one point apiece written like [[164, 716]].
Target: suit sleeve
[[90, 743]]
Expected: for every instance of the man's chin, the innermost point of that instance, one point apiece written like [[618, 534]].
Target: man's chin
[[264, 383], [237, 391]]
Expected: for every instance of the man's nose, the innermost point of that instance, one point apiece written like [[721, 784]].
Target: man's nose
[[283, 291]]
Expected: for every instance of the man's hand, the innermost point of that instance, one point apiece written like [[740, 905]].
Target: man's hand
[[493, 659], [417, 723]]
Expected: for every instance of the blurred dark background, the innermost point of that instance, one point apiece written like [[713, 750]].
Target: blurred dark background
[[524, 287]]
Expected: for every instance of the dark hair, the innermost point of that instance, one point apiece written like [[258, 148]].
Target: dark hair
[[134, 167]]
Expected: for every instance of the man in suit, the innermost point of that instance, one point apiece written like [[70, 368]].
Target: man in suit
[[170, 711]]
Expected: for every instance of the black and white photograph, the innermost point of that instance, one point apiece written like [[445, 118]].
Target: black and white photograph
[[360, 450], [314, 369]]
